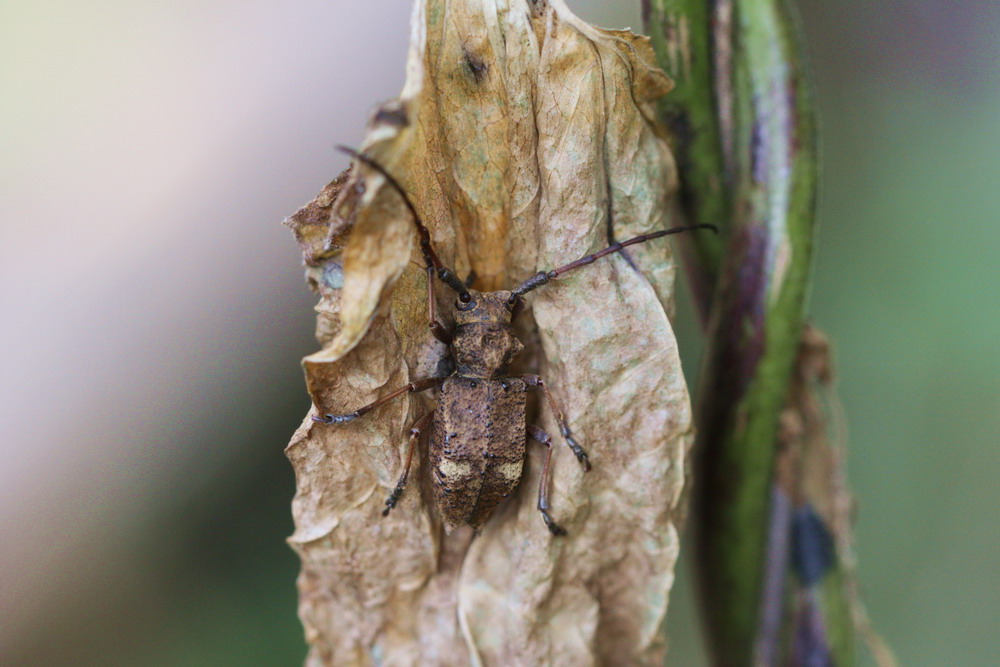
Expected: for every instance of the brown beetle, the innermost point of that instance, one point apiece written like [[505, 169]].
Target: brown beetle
[[477, 445]]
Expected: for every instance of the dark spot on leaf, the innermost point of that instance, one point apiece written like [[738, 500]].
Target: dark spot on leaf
[[394, 115], [813, 552], [476, 65]]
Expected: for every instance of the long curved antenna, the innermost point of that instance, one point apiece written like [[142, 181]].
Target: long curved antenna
[[543, 277], [431, 259]]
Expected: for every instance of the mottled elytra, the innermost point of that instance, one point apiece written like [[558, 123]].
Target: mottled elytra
[[478, 429]]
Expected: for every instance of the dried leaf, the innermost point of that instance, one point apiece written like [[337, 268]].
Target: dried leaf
[[810, 474], [525, 138]]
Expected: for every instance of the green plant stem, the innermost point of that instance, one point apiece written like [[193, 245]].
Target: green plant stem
[[683, 46], [742, 97]]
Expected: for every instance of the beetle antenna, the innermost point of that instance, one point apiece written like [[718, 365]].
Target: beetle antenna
[[431, 259], [543, 277]]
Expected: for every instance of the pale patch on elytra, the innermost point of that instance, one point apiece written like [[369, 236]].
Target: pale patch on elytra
[[454, 469], [510, 470]]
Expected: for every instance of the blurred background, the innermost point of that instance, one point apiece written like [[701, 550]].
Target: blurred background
[[153, 312]]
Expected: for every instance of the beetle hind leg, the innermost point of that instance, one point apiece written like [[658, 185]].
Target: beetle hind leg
[[544, 438], [397, 492]]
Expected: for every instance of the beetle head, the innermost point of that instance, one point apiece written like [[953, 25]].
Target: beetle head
[[486, 307]]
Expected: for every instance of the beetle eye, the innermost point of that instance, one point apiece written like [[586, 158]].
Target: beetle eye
[[512, 301], [465, 297]]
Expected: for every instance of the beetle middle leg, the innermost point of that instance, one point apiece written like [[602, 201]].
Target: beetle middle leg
[[419, 385], [544, 438], [581, 456], [415, 430]]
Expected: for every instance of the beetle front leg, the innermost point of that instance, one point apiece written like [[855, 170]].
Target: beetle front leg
[[581, 456], [541, 436], [437, 329], [419, 385], [415, 430]]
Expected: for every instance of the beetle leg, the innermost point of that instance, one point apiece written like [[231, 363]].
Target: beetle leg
[[437, 329], [419, 385], [541, 436], [581, 456], [415, 430]]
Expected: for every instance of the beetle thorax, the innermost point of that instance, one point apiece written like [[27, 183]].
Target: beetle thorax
[[484, 344]]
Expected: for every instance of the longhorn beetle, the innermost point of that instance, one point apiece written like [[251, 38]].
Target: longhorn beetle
[[477, 445]]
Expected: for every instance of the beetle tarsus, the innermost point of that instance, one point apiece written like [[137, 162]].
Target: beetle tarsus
[[336, 419], [393, 498], [581, 455], [553, 527]]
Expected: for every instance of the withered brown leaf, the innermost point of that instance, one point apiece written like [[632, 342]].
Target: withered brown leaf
[[525, 138]]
